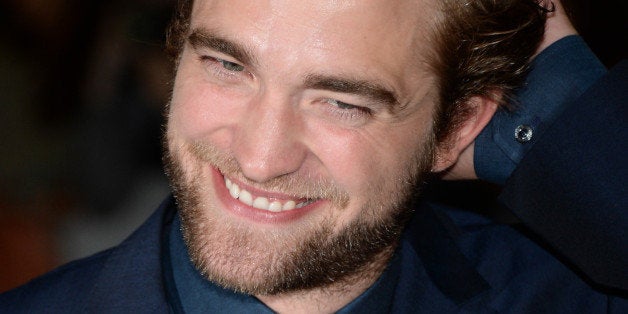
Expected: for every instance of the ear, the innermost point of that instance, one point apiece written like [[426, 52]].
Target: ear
[[482, 109]]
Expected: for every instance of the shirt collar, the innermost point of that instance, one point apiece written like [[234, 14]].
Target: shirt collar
[[194, 294]]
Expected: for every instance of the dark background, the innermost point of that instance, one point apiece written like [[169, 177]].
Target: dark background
[[82, 89]]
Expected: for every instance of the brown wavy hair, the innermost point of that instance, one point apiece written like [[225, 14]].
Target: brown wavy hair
[[480, 48]]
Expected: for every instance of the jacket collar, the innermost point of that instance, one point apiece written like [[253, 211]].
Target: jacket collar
[[131, 279], [432, 235]]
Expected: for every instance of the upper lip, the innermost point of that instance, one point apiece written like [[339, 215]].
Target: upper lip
[[271, 195]]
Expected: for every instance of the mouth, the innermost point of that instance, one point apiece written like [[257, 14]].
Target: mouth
[[268, 203], [261, 205]]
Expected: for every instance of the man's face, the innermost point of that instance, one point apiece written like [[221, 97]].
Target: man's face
[[296, 132]]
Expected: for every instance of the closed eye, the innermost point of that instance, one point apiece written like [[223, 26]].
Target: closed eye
[[231, 66], [227, 65], [347, 106], [347, 113], [224, 70]]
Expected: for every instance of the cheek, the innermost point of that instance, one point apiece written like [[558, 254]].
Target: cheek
[[374, 163], [363, 163], [199, 110]]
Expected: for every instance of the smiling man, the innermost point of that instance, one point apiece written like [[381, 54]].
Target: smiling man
[[294, 146], [299, 137], [293, 165]]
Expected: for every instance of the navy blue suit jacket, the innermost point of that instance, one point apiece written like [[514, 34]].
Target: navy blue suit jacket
[[453, 261], [569, 190]]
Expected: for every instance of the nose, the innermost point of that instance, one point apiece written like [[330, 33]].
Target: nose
[[267, 140]]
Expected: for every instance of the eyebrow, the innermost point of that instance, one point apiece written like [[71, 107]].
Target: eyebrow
[[362, 88], [204, 38]]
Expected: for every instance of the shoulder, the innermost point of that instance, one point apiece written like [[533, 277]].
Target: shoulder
[[524, 274], [503, 268], [126, 278], [61, 290]]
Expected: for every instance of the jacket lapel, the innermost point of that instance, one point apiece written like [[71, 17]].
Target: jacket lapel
[[131, 279]]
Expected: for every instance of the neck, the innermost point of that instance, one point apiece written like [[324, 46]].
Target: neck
[[331, 298]]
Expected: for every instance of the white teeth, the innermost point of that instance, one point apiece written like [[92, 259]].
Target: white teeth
[[275, 206], [246, 197], [304, 204], [260, 202], [234, 190], [289, 205]]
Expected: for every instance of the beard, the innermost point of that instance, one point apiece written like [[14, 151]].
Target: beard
[[316, 254]]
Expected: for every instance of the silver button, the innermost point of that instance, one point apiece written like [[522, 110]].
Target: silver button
[[523, 133]]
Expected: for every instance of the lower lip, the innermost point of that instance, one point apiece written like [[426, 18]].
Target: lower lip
[[258, 215]]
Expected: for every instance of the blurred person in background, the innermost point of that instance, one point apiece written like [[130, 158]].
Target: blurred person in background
[[82, 93]]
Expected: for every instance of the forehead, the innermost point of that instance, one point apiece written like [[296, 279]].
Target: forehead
[[374, 37], [379, 19]]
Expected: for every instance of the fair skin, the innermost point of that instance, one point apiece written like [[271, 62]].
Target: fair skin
[[557, 26], [288, 94]]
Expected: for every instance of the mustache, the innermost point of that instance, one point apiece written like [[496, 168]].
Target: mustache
[[296, 185]]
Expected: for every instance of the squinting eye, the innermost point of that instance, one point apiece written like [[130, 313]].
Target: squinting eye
[[345, 113], [231, 66], [345, 108], [342, 105]]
